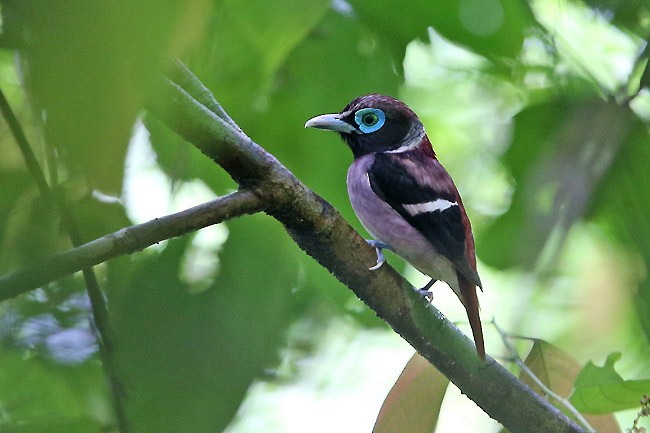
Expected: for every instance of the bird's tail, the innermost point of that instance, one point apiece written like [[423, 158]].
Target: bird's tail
[[470, 301]]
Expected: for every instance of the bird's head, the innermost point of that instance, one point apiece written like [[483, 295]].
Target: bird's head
[[375, 123]]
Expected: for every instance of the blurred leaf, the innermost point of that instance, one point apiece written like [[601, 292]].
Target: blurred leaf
[[603, 390], [188, 358], [182, 161], [413, 403], [53, 426], [557, 370], [619, 207], [249, 43], [32, 230], [38, 395], [273, 110], [491, 28], [559, 154], [89, 67], [97, 218], [625, 13]]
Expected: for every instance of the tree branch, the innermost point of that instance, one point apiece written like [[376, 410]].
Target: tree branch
[[129, 240], [323, 234]]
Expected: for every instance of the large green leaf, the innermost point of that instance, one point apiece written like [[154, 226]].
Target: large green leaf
[[322, 73], [622, 207], [559, 154], [89, 67], [492, 28], [247, 45], [603, 390], [38, 395], [188, 358]]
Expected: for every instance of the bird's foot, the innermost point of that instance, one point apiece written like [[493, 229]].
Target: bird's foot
[[424, 291], [379, 246]]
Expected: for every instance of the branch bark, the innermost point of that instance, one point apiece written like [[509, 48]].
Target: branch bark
[[323, 234], [190, 110]]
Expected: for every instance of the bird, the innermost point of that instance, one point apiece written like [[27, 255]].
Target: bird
[[405, 198]]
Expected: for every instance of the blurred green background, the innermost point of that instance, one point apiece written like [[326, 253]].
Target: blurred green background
[[540, 110]]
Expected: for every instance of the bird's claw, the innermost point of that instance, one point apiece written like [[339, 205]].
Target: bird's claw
[[424, 291], [379, 246]]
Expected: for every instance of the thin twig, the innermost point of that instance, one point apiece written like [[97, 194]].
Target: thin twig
[[30, 160], [100, 322], [546, 390]]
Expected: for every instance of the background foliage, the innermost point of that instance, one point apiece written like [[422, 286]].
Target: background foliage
[[540, 110]]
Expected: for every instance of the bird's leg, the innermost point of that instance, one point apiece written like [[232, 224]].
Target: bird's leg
[[379, 246], [424, 291]]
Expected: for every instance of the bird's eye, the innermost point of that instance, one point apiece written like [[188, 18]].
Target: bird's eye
[[369, 119]]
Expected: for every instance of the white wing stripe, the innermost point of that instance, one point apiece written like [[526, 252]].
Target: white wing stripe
[[438, 205]]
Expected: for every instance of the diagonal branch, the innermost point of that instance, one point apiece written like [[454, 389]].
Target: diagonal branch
[[323, 234], [129, 240]]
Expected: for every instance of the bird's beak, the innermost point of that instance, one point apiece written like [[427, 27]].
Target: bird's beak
[[330, 122]]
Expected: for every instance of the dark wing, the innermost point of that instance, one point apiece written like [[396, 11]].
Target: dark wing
[[391, 180]]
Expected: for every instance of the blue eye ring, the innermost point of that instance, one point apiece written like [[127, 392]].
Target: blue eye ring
[[369, 119]]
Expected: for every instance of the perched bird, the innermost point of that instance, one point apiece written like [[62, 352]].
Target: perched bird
[[405, 198]]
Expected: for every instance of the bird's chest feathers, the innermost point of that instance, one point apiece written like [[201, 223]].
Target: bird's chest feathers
[[386, 225], [375, 214]]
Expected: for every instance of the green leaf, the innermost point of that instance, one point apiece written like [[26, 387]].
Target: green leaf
[[557, 370], [37, 394], [619, 191], [249, 43], [603, 390], [623, 13], [180, 160], [491, 28], [91, 65], [560, 158], [32, 230], [413, 403], [188, 358]]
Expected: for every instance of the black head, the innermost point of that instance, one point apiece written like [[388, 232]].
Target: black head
[[373, 123]]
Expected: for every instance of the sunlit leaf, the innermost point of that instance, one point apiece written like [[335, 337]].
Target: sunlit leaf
[[413, 403], [603, 390]]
